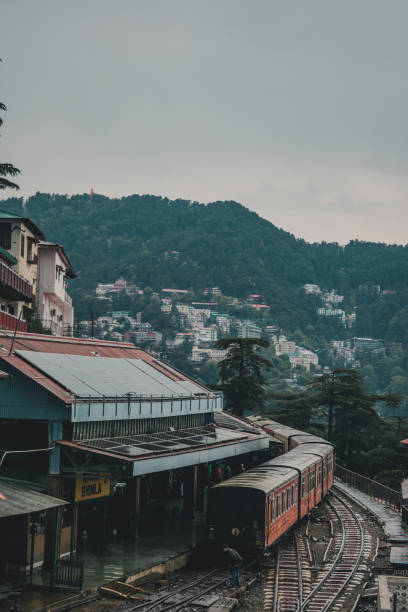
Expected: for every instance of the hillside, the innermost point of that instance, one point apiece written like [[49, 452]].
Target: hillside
[[157, 242]]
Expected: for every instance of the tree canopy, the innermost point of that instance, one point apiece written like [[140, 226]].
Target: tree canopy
[[7, 169], [242, 373]]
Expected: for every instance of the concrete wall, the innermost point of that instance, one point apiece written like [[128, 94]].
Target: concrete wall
[[54, 305], [390, 587]]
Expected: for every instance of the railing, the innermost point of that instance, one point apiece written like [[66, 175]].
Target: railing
[[8, 321], [20, 287], [69, 573], [372, 488], [134, 406]]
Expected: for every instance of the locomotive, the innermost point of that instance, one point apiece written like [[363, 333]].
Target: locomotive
[[254, 509]]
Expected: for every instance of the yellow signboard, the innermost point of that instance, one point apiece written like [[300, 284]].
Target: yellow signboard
[[91, 488]]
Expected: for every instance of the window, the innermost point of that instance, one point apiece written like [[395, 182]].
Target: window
[[5, 235], [29, 249], [293, 495], [272, 509], [278, 506], [303, 487], [283, 502], [311, 481], [288, 504], [22, 243]]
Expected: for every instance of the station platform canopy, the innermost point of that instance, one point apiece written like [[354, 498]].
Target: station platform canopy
[[170, 450], [15, 500]]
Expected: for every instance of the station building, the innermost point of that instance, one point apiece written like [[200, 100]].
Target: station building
[[128, 441]]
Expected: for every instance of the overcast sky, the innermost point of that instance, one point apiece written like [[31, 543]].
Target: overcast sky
[[297, 109]]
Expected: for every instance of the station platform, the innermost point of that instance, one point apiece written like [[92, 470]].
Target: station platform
[[112, 560], [390, 519], [158, 543]]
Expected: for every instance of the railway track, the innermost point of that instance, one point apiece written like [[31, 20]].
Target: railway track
[[289, 586], [289, 582], [186, 595], [348, 550]]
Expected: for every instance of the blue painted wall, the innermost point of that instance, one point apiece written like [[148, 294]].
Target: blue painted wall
[[22, 398]]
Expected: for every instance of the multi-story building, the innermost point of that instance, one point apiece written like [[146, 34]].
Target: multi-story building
[[367, 344], [271, 332], [54, 304], [205, 334], [19, 238], [247, 329], [200, 354], [283, 346], [304, 358]]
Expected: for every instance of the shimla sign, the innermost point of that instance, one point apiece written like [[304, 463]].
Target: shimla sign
[[91, 488]]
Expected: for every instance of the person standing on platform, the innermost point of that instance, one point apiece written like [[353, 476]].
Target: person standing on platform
[[236, 562]]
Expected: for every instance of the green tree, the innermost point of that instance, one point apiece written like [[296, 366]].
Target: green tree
[[353, 421], [242, 373], [7, 169]]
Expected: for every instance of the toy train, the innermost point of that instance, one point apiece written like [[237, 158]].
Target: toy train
[[254, 509]]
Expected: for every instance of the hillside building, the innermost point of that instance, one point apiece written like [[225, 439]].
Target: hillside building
[[247, 329], [53, 302], [19, 238]]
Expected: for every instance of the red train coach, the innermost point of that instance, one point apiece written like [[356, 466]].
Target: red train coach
[[263, 503]]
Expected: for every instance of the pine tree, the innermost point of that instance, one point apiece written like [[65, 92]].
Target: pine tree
[[241, 373]]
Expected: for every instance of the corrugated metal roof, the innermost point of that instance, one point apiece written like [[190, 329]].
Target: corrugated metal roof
[[23, 501], [38, 343], [104, 376]]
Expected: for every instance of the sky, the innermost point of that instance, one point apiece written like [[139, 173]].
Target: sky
[[295, 108]]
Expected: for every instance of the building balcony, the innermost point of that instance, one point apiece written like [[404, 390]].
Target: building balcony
[[8, 321], [13, 286]]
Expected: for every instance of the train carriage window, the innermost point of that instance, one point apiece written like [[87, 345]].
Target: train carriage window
[[283, 502], [272, 509], [303, 487], [312, 481], [288, 498], [278, 506], [293, 495]]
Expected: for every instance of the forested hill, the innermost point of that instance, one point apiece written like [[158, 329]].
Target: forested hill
[[156, 242]]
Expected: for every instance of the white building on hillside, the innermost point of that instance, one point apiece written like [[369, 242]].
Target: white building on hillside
[[247, 329], [54, 304]]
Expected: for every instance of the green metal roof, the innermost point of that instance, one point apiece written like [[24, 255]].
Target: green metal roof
[[4, 214], [6, 254]]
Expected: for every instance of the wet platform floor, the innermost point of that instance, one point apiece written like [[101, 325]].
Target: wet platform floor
[[114, 559], [117, 558]]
